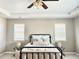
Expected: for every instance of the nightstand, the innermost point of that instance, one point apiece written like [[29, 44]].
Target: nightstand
[[17, 54]]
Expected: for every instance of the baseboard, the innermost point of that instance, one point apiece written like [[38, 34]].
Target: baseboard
[[2, 54], [77, 54], [69, 52], [9, 52]]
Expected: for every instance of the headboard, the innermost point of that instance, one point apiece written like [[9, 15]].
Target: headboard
[[48, 36]]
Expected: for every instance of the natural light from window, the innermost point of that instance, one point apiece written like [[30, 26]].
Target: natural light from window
[[18, 32], [60, 32]]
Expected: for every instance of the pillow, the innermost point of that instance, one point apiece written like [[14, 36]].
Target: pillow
[[36, 37], [45, 40], [36, 41], [40, 40]]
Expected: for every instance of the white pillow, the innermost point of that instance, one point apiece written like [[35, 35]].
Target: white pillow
[[36, 41], [36, 37], [45, 40], [40, 40]]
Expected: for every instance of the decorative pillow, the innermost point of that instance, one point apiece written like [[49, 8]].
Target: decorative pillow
[[36, 41], [40, 40], [45, 39], [36, 37]]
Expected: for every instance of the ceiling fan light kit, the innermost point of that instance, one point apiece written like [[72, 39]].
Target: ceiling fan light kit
[[38, 5]]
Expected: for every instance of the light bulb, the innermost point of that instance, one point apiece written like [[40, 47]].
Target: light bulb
[[38, 4]]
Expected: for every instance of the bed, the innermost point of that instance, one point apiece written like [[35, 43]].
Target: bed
[[40, 47]]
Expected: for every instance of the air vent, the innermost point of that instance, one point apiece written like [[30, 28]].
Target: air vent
[[50, 0]]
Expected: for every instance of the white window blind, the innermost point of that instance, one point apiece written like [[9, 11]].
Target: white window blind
[[60, 32], [18, 32]]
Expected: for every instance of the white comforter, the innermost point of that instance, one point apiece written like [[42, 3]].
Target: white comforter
[[40, 49]]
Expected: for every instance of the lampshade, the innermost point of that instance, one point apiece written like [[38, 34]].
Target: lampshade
[[18, 44]]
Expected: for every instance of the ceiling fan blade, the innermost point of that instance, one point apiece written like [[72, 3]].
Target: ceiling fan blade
[[30, 5], [44, 6]]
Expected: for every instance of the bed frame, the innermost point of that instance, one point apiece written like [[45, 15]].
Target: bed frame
[[55, 53]]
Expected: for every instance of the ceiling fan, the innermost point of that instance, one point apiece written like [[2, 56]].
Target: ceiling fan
[[38, 3]]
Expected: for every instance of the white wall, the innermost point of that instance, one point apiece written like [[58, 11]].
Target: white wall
[[77, 33], [34, 26], [2, 34]]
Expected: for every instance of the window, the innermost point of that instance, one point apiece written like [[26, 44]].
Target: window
[[60, 32], [18, 32]]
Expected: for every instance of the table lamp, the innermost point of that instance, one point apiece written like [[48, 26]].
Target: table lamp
[[18, 44]]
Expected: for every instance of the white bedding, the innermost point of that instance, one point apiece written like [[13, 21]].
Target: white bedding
[[39, 49]]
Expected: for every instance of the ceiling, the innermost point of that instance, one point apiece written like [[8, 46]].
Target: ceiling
[[18, 8]]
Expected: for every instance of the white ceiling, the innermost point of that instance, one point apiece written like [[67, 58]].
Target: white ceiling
[[18, 8]]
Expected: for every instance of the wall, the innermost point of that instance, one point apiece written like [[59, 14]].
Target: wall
[[77, 33], [34, 26], [2, 34]]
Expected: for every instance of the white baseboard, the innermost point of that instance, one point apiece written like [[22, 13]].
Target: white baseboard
[[2, 54], [77, 54], [9, 52], [69, 52]]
